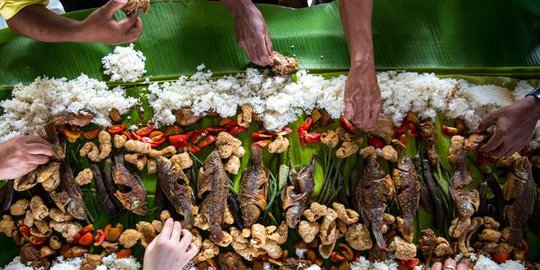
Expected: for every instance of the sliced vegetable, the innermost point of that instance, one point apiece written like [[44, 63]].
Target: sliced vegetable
[[145, 131], [134, 136], [449, 131], [91, 134], [460, 125], [124, 253], [112, 234], [86, 239], [262, 143], [37, 241], [192, 148], [115, 116], [158, 137], [402, 138], [117, 129], [415, 133], [227, 122], [376, 142], [346, 124], [197, 136], [173, 130], [413, 118], [215, 130], [260, 136], [308, 123], [100, 238], [285, 131], [403, 128], [178, 140], [316, 115], [210, 139], [235, 130], [500, 257], [71, 135], [312, 137], [409, 264], [25, 230]]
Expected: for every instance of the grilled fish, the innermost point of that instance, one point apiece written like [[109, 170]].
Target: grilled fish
[[373, 192], [407, 188], [135, 199], [427, 130], [296, 196], [214, 187], [101, 191], [253, 188], [467, 202], [68, 195], [179, 195], [520, 192]]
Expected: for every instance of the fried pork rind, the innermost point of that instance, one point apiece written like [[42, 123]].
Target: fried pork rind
[[232, 165], [19, 208], [389, 153], [39, 209], [120, 140], [402, 249], [489, 235], [284, 65], [278, 145], [347, 216], [347, 149], [358, 237], [91, 151], [84, 177], [258, 236], [182, 160], [246, 117], [68, 229], [7, 225], [207, 251], [147, 232], [105, 145], [442, 248], [28, 220], [165, 152], [151, 166], [49, 175], [227, 145], [59, 216], [278, 234], [129, 238], [41, 229], [308, 230], [25, 182], [473, 142], [315, 212], [139, 160], [330, 138], [463, 244], [368, 151], [456, 146], [137, 147]]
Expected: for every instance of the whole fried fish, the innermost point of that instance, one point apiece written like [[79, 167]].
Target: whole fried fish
[[520, 191], [407, 188], [427, 130], [467, 202], [179, 194], [296, 196], [213, 185], [135, 199], [101, 191], [68, 195], [373, 192], [253, 188]]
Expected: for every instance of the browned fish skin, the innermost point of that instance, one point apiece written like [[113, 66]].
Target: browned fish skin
[[180, 195], [467, 202], [80, 119], [296, 196], [253, 188], [374, 190], [216, 182], [231, 261], [52, 137], [68, 195], [427, 130], [520, 188], [407, 187], [135, 199]]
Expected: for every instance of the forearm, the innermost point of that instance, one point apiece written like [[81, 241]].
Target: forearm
[[38, 23], [239, 8], [356, 20]]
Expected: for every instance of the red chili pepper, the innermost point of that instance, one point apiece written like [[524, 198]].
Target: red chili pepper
[[414, 133], [412, 126], [285, 131], [500, 257], [402, 138], [100, 238], [409, 264], [91, 134], [313, 137], [308, 123], [210, 139], [117, 129], [158, 137], [145, 131], [192, 148], [25, 230], [37, 241], [401, 129], [178, 140], [236, 130], [376, 142], [346, 124], [227, 122], [260, 136], [136, 137], [127, 134], [449, 131], [197, 136], [86, 239], [215, 130], [262, 143]]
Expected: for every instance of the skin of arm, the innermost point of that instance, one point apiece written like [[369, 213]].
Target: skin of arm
[[514, 127], [21, 155], [251, 31], [37, 22], [362, 94]]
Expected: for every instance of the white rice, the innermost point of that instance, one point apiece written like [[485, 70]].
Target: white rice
[[109, 263], [124, 64]]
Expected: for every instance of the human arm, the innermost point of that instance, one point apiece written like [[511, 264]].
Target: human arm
[[251, 31], [171, 249], [362, 94], [514, 127], [37, 22], [21, 155]]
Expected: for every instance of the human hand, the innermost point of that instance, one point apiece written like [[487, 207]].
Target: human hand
[[102, 26], [362, 97], [171, 249], [252, 35], [21, 155], [450, 264], [514, 127]]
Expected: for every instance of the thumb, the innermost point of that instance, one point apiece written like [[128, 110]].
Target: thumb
[[487, 122], [112, 6]]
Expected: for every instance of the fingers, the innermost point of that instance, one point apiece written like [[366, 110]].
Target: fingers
[[487, 122], [437, 266], [39, 149], [492, 144], [186, 239], [256, 50], [35, 139], [192, 250], [269, 49], [112, 6], [167, 229], [449, 264], [463, 265], [38, 159], [176, 231]]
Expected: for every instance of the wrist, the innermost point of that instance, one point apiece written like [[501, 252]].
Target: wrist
[[76, 31], [532, 106], [241, 9]]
